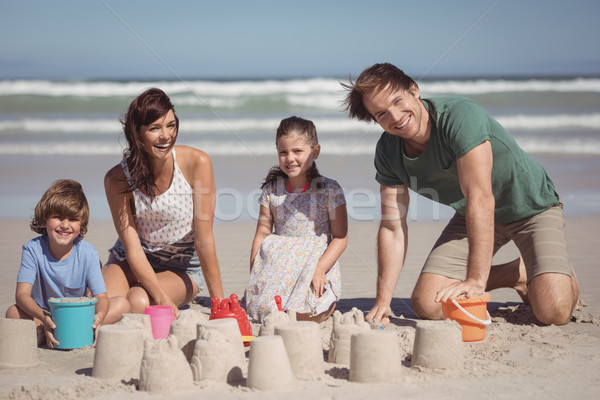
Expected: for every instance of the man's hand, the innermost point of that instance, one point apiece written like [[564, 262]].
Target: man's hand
[[379, 312], [469, 288]]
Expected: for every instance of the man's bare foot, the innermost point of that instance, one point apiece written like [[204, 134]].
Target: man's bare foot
[[521, 286]]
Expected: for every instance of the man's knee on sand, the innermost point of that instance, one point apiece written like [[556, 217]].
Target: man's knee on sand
[[424, 306], [552, 297]]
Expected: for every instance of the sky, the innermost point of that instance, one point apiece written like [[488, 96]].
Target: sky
[[146, 39]]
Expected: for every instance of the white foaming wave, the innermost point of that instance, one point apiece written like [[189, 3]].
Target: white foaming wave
[[201, 89], [198, 87], [338, 147], [61, 148], [216, 102], [325, 125], [562, 146], [481, 86], [320, 101], [76, 89], [61, 125], [555, 121], [110, 126], [265, 87]]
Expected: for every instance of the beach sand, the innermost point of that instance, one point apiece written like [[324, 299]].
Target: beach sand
[[517, 359]]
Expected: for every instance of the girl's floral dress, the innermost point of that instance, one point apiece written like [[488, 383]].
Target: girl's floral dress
[[286, 260]]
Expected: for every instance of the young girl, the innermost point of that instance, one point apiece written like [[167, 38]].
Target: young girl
[[59, 263], [298, 262], [162, 200]]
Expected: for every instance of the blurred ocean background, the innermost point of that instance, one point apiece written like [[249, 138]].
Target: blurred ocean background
[[70, 128]]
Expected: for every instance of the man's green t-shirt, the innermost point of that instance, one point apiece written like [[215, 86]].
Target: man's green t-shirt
[[521, 186]]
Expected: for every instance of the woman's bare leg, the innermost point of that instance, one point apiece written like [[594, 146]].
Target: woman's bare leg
[[180, 287], [117, 288]]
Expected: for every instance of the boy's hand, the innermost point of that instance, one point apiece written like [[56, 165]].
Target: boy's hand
[[97, 323], [49, 327]]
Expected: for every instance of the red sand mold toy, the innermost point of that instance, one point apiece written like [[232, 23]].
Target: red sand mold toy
[[278, 302], [230, 308]]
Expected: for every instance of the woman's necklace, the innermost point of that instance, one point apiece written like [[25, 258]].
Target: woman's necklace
[[303, 190]]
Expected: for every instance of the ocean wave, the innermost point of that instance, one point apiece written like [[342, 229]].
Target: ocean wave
[[192, 91], [481, 86], [324, 125], [199, 89], [554, 121], [336, 147], [85, 126], [81, 126]]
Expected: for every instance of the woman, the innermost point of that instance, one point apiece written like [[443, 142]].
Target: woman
[[162, 200]]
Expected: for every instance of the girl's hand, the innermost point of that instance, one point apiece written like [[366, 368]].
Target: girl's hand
[[49, 327], [318, 283]]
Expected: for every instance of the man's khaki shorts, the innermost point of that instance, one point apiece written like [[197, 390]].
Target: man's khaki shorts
[[540, 240]]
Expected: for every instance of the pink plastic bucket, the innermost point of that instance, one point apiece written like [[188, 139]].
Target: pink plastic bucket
[[161, 318]]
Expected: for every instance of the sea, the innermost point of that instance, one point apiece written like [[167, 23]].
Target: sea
[[51, 129]]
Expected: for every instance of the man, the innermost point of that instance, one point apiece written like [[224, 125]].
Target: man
[[463, 158]]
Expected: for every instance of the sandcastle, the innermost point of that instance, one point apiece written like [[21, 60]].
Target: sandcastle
[[21, 350], [214, 358], [119, 352], [267, 328], [344, 325], [269, 367], [197, 348], [184, 328], [285, 352], [137, 321], [374, 356], [438, 344], [302, 341], [164, 368], [229, 328]]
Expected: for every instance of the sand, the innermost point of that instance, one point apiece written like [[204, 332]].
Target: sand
[[517, 359]]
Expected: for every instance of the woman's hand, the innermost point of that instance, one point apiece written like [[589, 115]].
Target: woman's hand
[[166, 301]]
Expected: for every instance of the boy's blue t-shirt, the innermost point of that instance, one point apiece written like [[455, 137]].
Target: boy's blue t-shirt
[[66, 278]]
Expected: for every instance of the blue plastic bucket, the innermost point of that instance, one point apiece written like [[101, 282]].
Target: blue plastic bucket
[[74, 318]]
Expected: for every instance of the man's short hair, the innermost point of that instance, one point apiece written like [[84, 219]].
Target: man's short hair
[[376, 77]]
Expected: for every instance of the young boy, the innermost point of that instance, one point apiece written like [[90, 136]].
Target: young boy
[[59, 263]]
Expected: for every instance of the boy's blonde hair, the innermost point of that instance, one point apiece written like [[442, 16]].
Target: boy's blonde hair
[[64, 198]]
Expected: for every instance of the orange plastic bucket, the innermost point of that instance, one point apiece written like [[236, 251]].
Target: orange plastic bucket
[[471, 314]]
